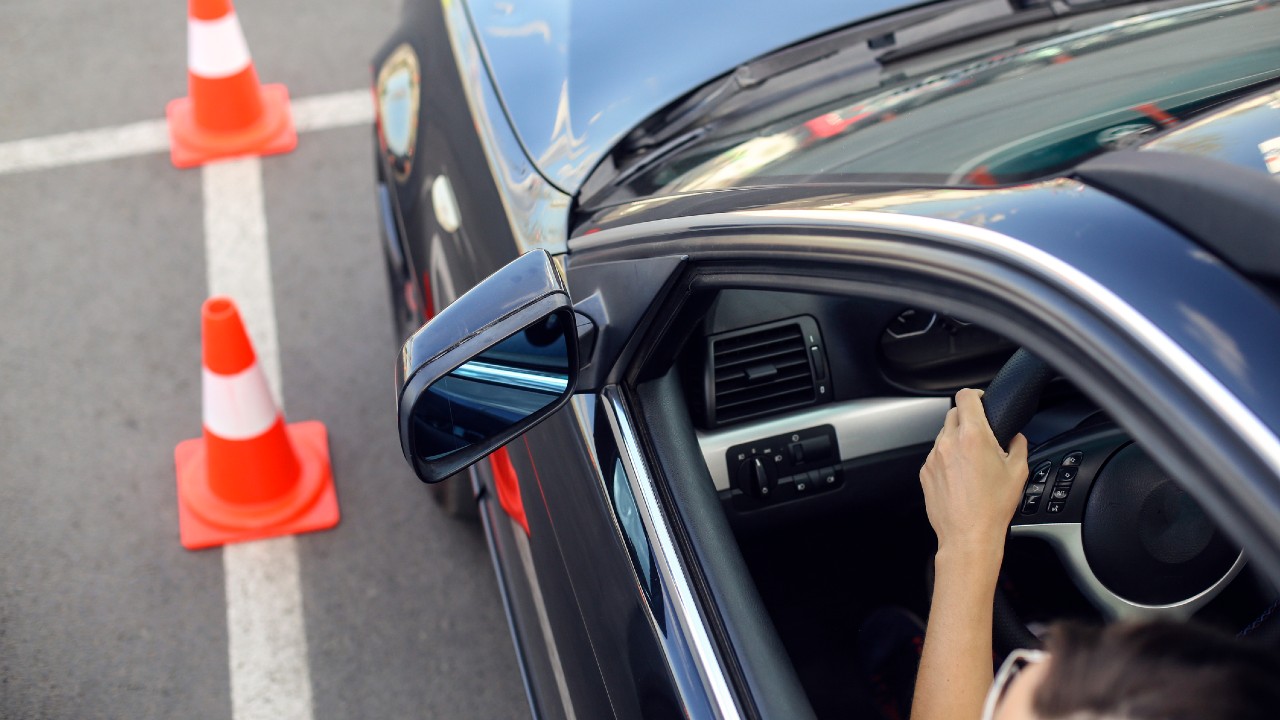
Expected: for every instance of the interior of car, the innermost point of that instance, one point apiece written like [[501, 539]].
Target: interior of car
[[813, 412]]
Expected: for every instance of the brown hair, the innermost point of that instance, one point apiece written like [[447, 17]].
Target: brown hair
[[1156, 671]]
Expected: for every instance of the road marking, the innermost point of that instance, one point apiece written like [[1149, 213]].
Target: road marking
[[267, 640], [266, 633], [236, 257], [142, 138], [337, 110], [318, 112]]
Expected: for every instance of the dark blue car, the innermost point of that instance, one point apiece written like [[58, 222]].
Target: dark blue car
[[699, 280]]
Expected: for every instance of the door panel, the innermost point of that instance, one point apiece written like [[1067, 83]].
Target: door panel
[[570, 519]]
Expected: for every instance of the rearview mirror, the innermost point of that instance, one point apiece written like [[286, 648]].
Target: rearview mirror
[[490, 366]]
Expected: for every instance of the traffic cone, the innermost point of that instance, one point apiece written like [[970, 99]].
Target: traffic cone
[[227, 113], [250, 476]]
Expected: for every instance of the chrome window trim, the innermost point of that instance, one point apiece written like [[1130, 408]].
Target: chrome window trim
[[1068, 541], [670, 565], [863, 427], [1065, 277], [1060, 273]]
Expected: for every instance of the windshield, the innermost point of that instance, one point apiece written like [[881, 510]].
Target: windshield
[[1006, 107]]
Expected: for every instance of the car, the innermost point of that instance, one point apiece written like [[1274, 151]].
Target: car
[[684, 296]]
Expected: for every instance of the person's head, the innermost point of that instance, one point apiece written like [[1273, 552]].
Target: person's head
[[1141, 671]]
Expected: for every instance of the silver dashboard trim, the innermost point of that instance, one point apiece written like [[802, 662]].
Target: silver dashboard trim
[[1068, 541], [863, 427], [670, 567]]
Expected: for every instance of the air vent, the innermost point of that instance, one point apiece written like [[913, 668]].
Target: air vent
[[762, 370]]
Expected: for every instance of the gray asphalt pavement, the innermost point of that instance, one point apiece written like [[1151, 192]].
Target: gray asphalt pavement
[[102, 613]]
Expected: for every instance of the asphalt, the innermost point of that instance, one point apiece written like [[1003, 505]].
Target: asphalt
[[102, 272]]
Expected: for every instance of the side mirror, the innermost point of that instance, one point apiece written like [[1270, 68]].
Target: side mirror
[[490, 366]]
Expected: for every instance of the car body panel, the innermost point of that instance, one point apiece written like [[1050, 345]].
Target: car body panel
[[488, 172], [482, 161], [573, 85], [595, 620]]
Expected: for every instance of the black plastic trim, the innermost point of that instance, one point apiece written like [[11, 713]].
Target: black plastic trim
[[1230, 210], [760, 662]]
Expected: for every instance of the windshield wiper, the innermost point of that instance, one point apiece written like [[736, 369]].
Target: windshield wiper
[[870, 36], [1029, 13]]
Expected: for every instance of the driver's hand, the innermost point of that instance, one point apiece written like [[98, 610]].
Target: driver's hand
[[971, 485]]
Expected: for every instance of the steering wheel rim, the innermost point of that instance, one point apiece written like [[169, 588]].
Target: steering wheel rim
[[1010, 402]]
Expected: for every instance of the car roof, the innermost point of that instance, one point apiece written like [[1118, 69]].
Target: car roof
[[575, 77]]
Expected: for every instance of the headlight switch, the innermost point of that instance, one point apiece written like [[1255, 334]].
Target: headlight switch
[[783, 467]]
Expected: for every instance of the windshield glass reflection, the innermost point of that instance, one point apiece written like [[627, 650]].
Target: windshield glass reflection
[[992, 111]]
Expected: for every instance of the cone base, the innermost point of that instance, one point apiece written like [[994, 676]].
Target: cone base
[[191, 145], [204, 520]]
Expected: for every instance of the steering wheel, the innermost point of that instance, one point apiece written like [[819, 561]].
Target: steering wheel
[[1136, 545]]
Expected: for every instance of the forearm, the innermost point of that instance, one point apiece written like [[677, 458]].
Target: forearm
[[955, 668]]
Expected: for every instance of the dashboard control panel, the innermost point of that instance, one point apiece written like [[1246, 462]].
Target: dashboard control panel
[[784, 467]]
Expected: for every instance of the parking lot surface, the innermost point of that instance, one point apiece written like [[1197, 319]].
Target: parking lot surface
[[102, 613]]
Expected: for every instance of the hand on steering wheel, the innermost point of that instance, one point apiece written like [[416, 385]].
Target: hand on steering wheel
[[1136, 545], [972, 485]]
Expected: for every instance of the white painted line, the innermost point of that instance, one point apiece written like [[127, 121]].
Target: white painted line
[[267, 639], [237, 261], [143, 138], [319, 112], [337, 110], [266, 633]]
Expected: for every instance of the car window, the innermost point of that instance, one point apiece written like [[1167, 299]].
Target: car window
[[1002, 108]]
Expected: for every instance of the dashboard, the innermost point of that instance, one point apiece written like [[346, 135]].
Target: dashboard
[[798, 396]]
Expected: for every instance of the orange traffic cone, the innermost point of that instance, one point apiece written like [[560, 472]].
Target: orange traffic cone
[[251, 476], [227, 113]]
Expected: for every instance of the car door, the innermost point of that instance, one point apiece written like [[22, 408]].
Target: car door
[[1100, 289], [646, 599], [593, 606]]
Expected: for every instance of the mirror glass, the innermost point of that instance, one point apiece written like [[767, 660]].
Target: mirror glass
[[492, 392]]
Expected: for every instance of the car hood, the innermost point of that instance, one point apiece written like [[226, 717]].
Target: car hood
[[575, 77]]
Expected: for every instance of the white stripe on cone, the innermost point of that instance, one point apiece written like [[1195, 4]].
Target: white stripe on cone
[[216, 48], [238, 407]]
